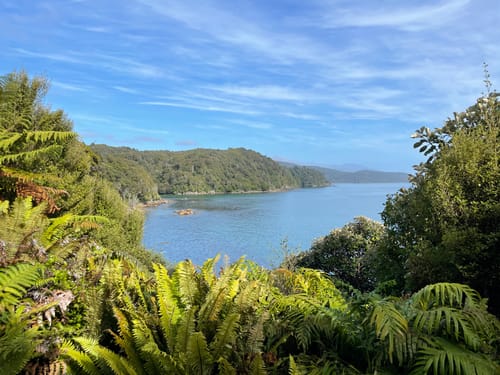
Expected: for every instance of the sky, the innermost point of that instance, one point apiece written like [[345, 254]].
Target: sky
[[315, 82]]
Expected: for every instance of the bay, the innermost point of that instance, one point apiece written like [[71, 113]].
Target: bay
[[257, 225]]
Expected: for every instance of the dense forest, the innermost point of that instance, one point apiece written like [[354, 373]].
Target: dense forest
[[416, 294], [199, 171]]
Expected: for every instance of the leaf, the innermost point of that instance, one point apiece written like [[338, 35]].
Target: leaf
[[198, 356]]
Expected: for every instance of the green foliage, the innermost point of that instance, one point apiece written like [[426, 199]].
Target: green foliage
[[201, 171], [446, 227], [345, 253], [192, 321]]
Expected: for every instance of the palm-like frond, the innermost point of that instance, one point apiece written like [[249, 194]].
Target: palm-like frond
[[442, 357], [445, 294], [391, 327]]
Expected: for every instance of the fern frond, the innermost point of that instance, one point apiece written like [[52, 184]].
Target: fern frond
[[17, 341], [257, 366], [198, 356], [29, 155], [57, 227], [8, 139], [444, 357], [391, 326], [207, 270], [185, 329], [452, 321], [14, 281], [167, 304], [225, 336], [105, 358], [445, 294], [125, 340], [48, 135], [225, 368], [77, 359], [185, 279]]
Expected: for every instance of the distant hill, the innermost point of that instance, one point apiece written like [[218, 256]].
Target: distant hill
[[204, 170], [362, 176]]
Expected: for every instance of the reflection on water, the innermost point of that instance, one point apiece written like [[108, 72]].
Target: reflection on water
[[254, 225]]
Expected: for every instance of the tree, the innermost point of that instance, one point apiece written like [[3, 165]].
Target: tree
[[446, 227], [30, 135], [343, 253]]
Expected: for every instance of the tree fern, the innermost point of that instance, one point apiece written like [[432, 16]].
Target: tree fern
[[391, 327]]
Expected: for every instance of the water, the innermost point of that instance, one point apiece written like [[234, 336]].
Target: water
[[255, 225]]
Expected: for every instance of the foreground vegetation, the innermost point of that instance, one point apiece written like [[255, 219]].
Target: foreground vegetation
[[78, 293]]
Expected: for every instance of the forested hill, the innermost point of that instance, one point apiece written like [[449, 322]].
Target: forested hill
[[364, 176], [201, 171]]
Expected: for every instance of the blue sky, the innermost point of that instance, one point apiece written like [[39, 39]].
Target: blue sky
[[313, 82]]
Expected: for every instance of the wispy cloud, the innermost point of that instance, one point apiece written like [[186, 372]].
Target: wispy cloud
[[126, 90], [200, 107], [252, 124], [69, 86], [114, 63], [267, 92], [413, 18]]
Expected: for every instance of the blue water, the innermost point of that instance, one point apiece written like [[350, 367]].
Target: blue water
[[255, 225]]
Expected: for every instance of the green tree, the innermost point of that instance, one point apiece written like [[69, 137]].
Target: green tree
[[446, 227], [30, 136], [344, 253]]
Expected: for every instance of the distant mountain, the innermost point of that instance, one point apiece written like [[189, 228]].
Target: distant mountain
[[363, 176], [203, 170]]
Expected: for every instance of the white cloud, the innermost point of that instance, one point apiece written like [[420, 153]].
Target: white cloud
[[409, 18]]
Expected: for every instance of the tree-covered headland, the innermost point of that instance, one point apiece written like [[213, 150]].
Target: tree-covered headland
[[79, 294], [201, 171]]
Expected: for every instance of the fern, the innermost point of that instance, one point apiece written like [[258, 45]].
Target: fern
[[390, 326], [14, 281], [57, 227], [105, 358], [185, 329], [225, 337], [442, 357], [185, 279], [17, 341], [167, 304], [199, 359], [77, 359]]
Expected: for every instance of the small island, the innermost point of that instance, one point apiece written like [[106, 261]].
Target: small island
[[185, 212]]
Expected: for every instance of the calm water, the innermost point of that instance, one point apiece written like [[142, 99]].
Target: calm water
[[255, 224]]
